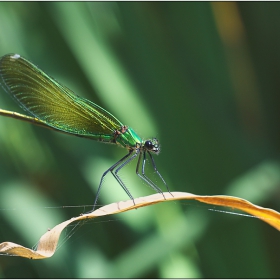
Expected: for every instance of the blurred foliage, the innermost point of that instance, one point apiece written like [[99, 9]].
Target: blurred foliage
[[201, 77]]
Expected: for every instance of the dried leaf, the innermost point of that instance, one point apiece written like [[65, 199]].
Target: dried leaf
[[48, 242]]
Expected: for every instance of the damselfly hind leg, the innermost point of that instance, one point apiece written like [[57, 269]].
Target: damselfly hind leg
[[111, 169], [117, 177]]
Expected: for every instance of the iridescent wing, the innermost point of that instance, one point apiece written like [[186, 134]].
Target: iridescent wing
[[52, 103]]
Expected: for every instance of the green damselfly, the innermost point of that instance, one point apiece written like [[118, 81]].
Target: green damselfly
[[56, 107]]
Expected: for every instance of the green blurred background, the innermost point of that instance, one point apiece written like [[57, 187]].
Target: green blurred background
[[203, 79]]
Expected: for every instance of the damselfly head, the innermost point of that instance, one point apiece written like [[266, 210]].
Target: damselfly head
[[152, 145]]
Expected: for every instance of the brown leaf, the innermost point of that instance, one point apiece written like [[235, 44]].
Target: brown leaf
[[48, 242]]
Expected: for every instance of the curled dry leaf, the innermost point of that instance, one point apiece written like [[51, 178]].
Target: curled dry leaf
[[48, 242]]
